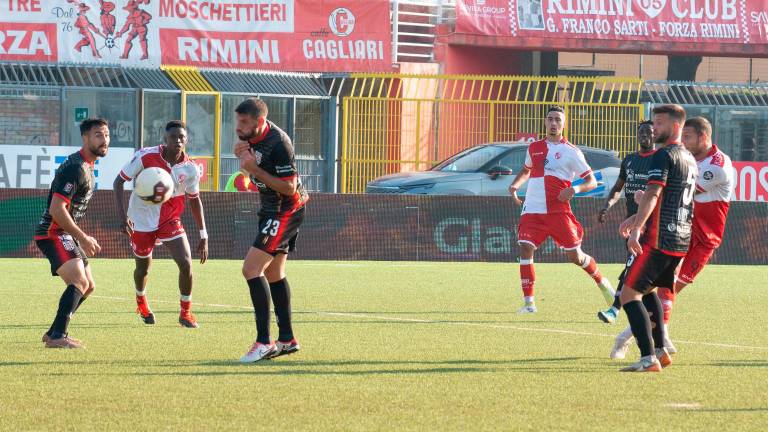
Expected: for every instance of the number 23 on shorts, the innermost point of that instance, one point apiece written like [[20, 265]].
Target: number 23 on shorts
[[271, 227]]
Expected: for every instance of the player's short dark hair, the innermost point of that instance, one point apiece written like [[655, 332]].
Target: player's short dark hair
[[175, 124], [254, 107], [700, 125], [90, 123], [645, 123], [676, 112], [556, 108]]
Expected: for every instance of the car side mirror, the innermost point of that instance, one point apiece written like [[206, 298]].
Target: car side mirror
[[499, 170]]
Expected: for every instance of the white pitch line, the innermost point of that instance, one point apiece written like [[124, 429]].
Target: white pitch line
[[468, 324]]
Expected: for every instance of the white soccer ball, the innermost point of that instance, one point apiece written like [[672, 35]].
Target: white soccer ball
[[154, 185]]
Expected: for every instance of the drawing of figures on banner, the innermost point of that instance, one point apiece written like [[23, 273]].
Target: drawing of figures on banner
[[85, 27], [137, 24], [108, 21]]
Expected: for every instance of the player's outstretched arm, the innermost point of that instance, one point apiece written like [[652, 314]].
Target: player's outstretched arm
[[196, 207], [613, 198], [118, 188], [61, 216]]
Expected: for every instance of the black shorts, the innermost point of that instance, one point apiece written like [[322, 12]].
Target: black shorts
[[59, 249], [277, 233], [651, 269]]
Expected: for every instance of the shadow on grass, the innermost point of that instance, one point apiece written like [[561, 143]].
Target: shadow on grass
[[335, 367], [741, 363]]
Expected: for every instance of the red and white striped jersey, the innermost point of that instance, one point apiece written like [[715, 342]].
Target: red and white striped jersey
[[148, 217], [553, 166], [714, 186]]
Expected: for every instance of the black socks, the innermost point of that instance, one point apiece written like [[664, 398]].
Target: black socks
[[68, 303], [641, 326], [259, 289], [656, 313], [281, 298]]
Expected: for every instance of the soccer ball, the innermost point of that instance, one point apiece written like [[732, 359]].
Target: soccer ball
[[154, 186]]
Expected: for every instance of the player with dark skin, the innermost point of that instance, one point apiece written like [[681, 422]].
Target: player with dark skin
[[175, 141], [645, 139]]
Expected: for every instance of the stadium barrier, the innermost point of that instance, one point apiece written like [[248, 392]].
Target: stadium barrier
[[398, 122], [376, 227]]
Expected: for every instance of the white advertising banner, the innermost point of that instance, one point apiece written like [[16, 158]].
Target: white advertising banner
[[25, 166]]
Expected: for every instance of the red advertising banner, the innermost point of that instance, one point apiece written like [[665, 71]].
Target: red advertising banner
[[750, 181], [291, 35], [723, 27]]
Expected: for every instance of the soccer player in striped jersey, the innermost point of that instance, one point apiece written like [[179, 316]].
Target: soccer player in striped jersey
[[550, 166], [632, 178]]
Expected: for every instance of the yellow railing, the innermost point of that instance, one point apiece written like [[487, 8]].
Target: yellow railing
[[192, 82], [393, 123]]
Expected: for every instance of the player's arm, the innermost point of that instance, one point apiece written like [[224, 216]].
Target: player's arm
[[590, 182], [644, 210], [128, 172], [196, 207], [522, 176], [192, 192], [613, 198], [285, 186], [58, 211], [118, 186]]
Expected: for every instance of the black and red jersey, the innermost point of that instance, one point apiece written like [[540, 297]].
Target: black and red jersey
[[634, 172], [668, 229], [275, 155], [73, 182]]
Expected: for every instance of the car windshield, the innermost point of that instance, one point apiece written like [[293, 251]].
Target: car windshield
[[470, 160]]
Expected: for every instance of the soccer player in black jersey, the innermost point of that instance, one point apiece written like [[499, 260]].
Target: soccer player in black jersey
[[266, 153], [632, 177], [59, 237], [658, 236]]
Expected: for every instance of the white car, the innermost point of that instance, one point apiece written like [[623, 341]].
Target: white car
[[489, 169]]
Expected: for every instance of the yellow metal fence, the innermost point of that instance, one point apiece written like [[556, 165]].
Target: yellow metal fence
[[393, 123]]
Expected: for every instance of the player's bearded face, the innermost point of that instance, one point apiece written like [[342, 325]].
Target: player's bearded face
[[662, 128], [248, 127], [97, 140]]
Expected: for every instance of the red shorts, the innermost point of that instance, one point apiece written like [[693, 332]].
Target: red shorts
[[143, 243], [534, 228], [697, 257]]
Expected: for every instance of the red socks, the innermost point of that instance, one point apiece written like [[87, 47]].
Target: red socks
[[527, 277], [667, 297], [590, 266]]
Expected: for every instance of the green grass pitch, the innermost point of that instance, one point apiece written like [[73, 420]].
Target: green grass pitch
[[385, 346]]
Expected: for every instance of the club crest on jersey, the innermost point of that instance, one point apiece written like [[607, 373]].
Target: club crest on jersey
[[708, 175], [557, 155], [258, 156], [182, 177], [68, 187]]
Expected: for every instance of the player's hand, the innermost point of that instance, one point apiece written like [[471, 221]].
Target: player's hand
[[639, 196], [202, 250], [602, 215], [626, 226], [127, 227], [515, 198], [566, 194], [89, 245], [633, 243], [241, 147]]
